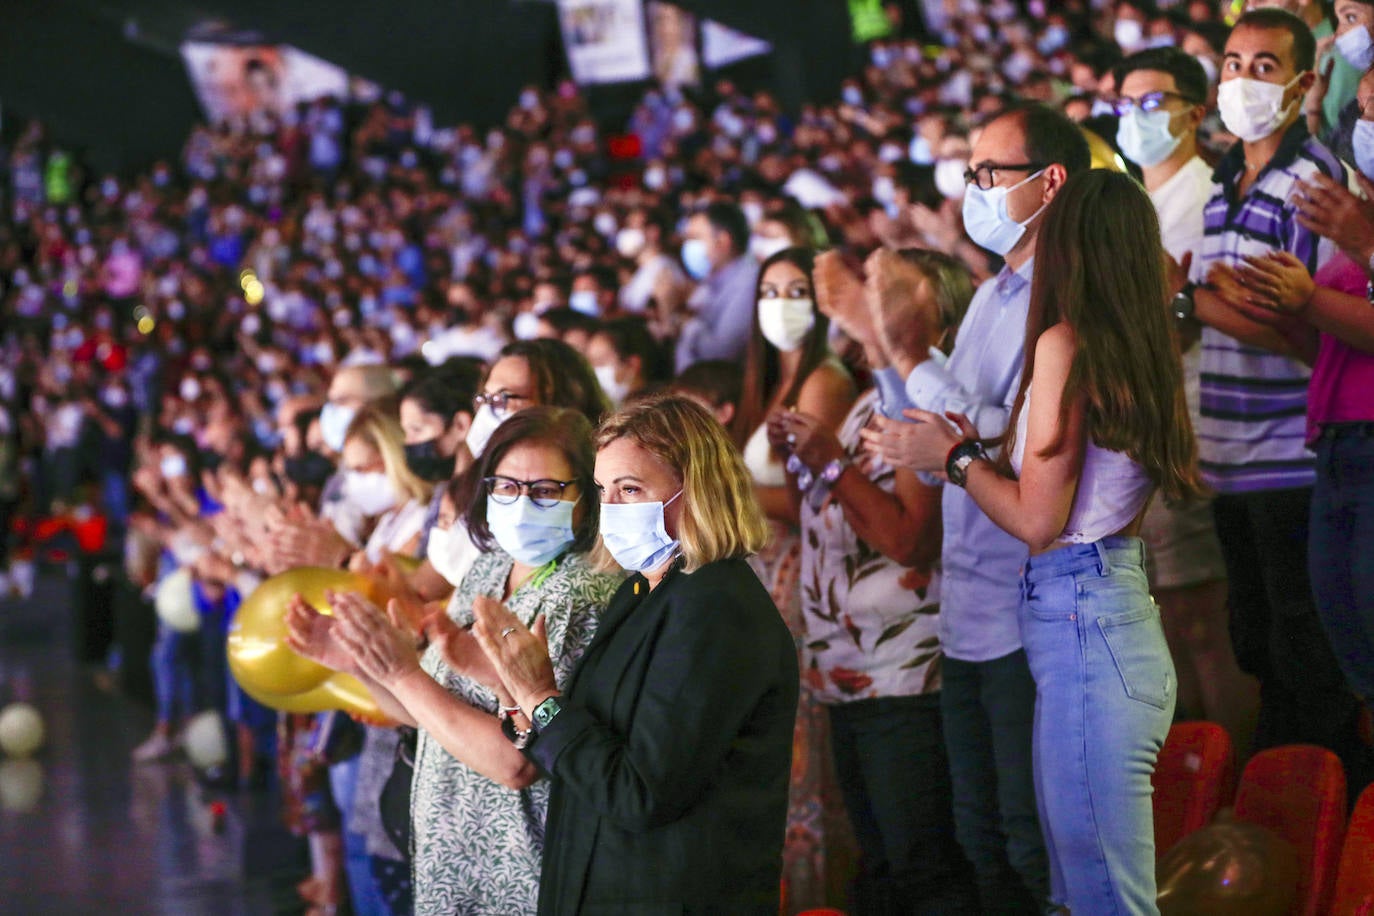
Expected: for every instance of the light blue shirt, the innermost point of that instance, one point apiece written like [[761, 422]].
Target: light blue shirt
[[724, 306], [981, 589]]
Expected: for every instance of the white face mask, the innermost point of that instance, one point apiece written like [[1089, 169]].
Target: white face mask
[[484, 423], [173, 467], [629, 242], [1357, 48], [988, 221], [1145, 138], [636, 534], [763, 247], [370, 491], [532, 534], [1253, 109], [785, 323], [448, 551], [526, 326], [1129, 34], [615, 389], [334, 422], [949, 178]]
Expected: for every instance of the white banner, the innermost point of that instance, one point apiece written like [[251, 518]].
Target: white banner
[[232, 81], [605, 40], [722, 45]]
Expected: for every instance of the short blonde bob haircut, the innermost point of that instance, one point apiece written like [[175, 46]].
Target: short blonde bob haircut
[[721, 517], [377, 425]]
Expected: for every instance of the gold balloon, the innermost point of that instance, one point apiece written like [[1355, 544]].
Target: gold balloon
[[1229, 868], [1103, 156], [269, 670]]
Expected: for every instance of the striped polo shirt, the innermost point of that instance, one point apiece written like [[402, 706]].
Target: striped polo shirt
[[1254, 402]]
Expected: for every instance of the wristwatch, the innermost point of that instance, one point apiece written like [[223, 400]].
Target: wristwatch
[[544, 713], [960, 457], [833, 469], [1183, 304]]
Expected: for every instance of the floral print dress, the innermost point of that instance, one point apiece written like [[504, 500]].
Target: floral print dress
[[478, 845], [871, 624]]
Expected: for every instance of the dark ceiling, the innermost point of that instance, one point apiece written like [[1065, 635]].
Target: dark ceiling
[[105, 74]]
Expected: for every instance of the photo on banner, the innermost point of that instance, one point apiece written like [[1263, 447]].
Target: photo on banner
[[234, 80], [605, 40]]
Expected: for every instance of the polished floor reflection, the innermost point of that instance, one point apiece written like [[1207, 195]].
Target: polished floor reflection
[[101, 835]]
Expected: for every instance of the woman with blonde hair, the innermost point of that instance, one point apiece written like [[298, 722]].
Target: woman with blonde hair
[[389, 493], [670, 745]]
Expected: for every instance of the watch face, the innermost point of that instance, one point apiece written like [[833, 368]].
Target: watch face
[[545, 711]]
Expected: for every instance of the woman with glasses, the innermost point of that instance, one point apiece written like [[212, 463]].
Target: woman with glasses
[[669, 748], [477, 806]]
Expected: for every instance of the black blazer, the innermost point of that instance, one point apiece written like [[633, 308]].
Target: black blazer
[[671, 756]]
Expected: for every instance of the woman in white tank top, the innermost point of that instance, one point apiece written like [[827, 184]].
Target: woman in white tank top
[[1103, 426]]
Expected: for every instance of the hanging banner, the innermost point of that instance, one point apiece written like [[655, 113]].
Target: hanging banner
[[722, 45], [235, 80], [605, 40]]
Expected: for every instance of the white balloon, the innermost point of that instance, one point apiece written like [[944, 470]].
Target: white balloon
[[21, 785], [204, 740], [174, 604], [21, 730]]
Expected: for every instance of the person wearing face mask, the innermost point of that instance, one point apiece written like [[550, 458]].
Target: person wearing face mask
[[1332, 99], [1018, 165], [1255, 380], [641, 241], [790, 366], [1161, 106], [378, 480], [1340, 413], [870, 545], [435, 414], [625, 357], [670, 743], [716, 255], [477, 806]]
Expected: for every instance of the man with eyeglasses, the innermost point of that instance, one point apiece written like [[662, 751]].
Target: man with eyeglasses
[[1021, 160], [1161, 104]]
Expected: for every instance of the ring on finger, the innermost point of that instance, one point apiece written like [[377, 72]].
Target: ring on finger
[[507, 631]]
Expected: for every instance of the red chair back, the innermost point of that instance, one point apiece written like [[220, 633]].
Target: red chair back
[[1298, 792], [1355, 880], [1194, 778]]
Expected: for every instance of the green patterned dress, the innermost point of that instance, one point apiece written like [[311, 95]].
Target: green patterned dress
[[477, 844]]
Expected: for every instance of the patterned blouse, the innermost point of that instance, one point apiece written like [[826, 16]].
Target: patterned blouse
[[478, 845], [872, 625]]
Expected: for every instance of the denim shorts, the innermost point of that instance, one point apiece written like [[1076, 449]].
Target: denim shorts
[[1105, 692]]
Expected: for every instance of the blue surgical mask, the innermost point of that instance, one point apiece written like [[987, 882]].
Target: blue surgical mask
[[987, 221], [695, 259], [1363, 142], [635, 534], [334, 422], [532, 534], [1357, 49], [1144, 136], [584, 301]]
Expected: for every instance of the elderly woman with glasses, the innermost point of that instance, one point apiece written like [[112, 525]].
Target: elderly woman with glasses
[[477, 805]]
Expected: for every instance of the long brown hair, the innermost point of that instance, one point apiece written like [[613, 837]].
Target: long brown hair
[[761, 364], [1099, 267]]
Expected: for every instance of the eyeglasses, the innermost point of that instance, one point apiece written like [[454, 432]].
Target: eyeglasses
[[543, 493], [984, 176], [1150, 101], [498, 401]]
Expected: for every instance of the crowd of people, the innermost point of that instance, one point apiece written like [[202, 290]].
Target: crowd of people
[[843, 501]]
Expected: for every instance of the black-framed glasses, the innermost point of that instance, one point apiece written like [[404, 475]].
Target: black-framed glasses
[[1150, 101], [498, 401], [984, 176], [543, 493]]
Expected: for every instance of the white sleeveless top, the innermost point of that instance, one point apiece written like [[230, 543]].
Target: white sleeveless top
[[1112, 488], [763, 466]]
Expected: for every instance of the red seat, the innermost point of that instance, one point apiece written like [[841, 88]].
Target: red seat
[[1194, 777], [1298, 792], [1355, 880]]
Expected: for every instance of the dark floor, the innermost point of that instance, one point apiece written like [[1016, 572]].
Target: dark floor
[[107, 836]]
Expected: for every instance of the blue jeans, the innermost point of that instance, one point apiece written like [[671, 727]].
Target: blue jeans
[[989, 711], [1105, 698], [1340, 549], [364, 893], [174, 682], [890, 761]]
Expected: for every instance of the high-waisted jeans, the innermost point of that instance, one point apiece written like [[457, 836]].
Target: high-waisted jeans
[[1105, 692]]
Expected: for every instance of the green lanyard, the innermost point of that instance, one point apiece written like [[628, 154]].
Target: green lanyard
[[540, 575]]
